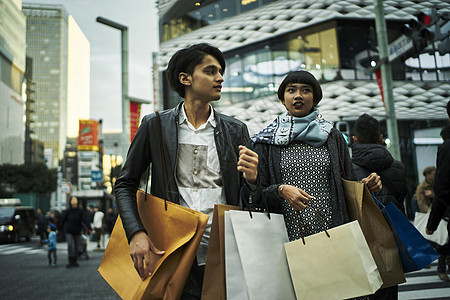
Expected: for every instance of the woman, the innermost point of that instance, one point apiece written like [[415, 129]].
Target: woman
[[303, 157]]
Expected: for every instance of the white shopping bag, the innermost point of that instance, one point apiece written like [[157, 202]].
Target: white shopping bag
[[255, 261], [340, 266], [440, 236]]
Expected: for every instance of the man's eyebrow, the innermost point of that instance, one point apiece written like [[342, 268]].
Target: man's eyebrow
[[214, 67]]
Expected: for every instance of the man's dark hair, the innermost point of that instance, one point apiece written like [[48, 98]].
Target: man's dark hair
[[304, 77], [367, 129], [185, 60], [445, 132], [428, 170]]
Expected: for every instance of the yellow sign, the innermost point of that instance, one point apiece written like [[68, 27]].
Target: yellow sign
[[245, 2]]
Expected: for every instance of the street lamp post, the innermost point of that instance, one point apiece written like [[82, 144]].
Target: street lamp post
[[125, 101]]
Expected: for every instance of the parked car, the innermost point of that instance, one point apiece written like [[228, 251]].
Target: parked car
[[16, 222]]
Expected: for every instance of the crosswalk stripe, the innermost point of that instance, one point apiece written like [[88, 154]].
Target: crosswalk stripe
[[14, 249], [424, 284]]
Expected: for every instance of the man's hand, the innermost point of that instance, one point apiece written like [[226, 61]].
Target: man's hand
[[140, 247], [373, 182], [295, 197], [248, 164]]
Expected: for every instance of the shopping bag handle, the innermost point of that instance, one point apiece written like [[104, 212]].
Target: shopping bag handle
[[377, 202], [245, 204], [162, 162], [320, 217]]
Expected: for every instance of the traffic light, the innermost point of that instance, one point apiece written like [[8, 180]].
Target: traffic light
[[434, 26], [420, 34]]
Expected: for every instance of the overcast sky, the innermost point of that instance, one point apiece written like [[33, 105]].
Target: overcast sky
[[141, 18]]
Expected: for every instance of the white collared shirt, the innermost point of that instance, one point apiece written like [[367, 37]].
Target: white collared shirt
[[198, 172]]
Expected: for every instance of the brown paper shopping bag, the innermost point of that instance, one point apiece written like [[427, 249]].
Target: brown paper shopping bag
[[214, 279], [362, 207], [334, 266], [177, 230]]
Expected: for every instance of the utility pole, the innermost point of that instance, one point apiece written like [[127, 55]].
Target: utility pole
[[386, 75], [125, 143]]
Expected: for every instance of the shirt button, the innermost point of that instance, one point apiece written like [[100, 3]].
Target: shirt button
[[195, 172], [196, 132], [195, 151]]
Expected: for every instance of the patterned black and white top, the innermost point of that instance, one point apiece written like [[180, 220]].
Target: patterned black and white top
[[307, 168]]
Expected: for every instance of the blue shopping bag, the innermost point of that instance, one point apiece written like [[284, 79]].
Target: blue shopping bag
[[415, 251]]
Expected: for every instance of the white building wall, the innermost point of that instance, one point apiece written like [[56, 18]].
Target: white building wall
[[12, 68], [78, 79], [12, 135]]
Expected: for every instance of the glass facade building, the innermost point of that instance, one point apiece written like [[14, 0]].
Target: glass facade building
[[48, 44], [334, 40]]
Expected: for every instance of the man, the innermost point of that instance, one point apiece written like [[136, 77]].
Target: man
[[207, 154], [441, 203], [368, 156], [424, 191], [73, 221]]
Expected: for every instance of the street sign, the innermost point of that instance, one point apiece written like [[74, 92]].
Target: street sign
[[399, 46], [96, 175], [65, 187]]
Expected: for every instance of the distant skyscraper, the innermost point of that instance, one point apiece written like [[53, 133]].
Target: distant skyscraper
[[61, 71], [12, 66]]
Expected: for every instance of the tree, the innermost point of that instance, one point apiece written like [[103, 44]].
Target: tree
[[27, 178]]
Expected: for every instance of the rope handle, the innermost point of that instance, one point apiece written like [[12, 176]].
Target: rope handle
[[320, 217]]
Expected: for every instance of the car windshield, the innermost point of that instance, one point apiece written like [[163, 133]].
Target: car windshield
[[6, 213]]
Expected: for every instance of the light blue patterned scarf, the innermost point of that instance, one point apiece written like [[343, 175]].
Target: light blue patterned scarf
[[312, 129]]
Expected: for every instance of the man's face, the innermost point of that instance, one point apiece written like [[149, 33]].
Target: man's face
[[206, 80], [298, 99], [74, 202]]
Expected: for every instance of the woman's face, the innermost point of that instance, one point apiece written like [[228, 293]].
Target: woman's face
[[298, 99]]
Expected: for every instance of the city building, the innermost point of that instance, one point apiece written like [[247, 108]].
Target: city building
[[61, 74], [336, 41], [12, 69]]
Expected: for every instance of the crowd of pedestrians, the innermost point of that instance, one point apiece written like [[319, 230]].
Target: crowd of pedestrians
[[75, 226]]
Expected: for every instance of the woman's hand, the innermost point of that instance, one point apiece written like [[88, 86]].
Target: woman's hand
[[295, 197], [373, 182]]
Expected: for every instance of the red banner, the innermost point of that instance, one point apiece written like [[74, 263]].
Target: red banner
[[135, 115], [88, 135], [380, 85]]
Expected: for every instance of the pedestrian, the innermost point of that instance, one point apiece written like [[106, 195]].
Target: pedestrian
[[51, 244], [41, 226], [223, 161], [441, 203], [73, 220], [110, 220], [425, 191], [299, 155], [368, 156], [98, 225]]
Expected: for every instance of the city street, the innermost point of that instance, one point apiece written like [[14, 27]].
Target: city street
[[25, 274]]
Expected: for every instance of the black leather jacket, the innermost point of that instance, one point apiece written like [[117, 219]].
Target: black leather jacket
[[145, 150]]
